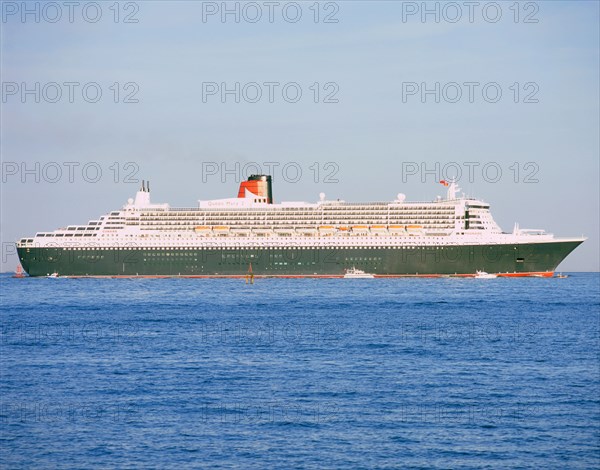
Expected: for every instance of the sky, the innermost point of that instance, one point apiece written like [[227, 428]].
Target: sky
[[359, 100]]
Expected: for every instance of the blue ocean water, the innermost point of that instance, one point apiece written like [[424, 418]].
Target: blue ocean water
[[339, 373]]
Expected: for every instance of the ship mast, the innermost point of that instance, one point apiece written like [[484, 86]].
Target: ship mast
[[453, 189]]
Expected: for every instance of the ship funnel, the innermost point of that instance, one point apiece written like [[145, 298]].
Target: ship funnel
[[257, 186]]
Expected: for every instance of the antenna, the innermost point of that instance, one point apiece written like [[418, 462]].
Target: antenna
[[148, 185]]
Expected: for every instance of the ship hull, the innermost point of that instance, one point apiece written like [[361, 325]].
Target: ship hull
[[532, 259]]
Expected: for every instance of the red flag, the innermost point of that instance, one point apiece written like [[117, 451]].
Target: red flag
[[444, 182]]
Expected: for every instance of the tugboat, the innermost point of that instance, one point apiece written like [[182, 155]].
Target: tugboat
[[19, 273], [250, 275], [354, 273]]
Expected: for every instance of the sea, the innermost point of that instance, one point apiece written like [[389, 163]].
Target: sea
[[300, 373]]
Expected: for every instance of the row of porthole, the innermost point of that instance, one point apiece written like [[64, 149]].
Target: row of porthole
[[256, 248]]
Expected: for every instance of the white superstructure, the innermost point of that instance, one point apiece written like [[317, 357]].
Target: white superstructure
[[254, 222]]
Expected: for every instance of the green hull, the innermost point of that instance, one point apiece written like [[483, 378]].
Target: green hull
[[520, 259]]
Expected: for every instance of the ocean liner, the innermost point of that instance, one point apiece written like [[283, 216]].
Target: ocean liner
[[455, 236]]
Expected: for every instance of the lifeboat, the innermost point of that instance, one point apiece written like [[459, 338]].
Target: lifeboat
[[396, 228], [203, 230], [240, 231], [414, 229], [360, 228], [326, 229], [378, 228], [221, 229], [262, 231]]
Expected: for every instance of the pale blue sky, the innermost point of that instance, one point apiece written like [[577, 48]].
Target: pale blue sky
[[369, 133]]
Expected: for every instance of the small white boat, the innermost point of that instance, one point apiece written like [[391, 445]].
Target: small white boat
[[484, 275], [52, 276], [562, 276], [354, 273]]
